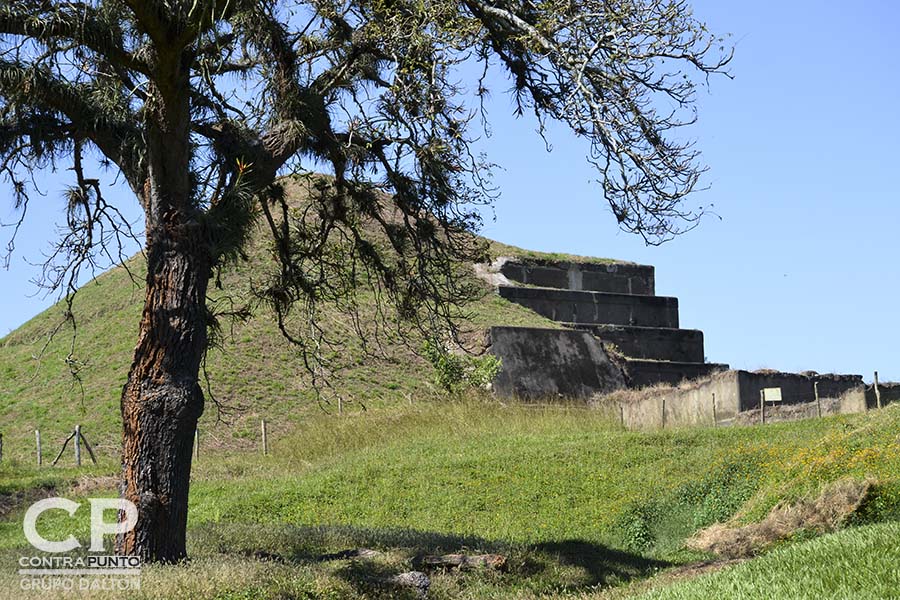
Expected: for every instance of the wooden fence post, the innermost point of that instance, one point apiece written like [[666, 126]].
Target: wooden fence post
[[63, 449], [37, 441], [818, 400], [877, 392], [197, 444], [78, 445], [762, 407], [663, 413], [265, 438], [715, 416], [87, 446]]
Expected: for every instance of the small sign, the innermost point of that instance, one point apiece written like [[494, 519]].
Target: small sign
[[772, 394]]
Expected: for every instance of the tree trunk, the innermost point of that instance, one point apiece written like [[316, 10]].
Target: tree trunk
[[162, 399]]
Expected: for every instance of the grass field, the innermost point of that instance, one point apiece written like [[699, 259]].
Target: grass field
[[580, 507]]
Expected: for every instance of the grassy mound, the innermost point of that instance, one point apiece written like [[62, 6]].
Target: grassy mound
[[254, 374]]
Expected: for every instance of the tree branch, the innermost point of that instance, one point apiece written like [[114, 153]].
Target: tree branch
[[76, 23], [118, 138]]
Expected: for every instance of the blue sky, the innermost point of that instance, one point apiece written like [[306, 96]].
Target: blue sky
[[800, 271]]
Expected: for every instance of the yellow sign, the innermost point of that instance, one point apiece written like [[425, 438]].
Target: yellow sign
[[772, 394]]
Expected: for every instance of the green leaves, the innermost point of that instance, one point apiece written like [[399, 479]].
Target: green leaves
[[455, 372]]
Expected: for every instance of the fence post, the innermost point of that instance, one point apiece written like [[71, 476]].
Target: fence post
[[663, 413], [197, 444], [63, 449], [78, 445], [877, 392], [715, 416], [622, 414], [265, 438], [37, 441], [818, 400], [340, 405], [762, 407], [88, 446]]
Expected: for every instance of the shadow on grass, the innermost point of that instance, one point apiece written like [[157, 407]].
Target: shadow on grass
[[601, 564], [569, 565]]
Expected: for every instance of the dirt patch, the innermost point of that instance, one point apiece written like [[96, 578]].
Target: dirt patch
[[633, 396], [88, 484], [10, 501], [823, 514], [789, 412]]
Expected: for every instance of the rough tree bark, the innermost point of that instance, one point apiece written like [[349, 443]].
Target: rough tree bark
[[162, 399]]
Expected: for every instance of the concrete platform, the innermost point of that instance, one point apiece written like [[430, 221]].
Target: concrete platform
[[656, 343], [642, 373], [596, 307], [620, 278]]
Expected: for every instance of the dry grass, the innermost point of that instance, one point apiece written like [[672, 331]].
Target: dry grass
[[789, 412], [634, 396], [823, 514]]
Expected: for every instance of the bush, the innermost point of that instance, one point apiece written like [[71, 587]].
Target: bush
[[453, 372]]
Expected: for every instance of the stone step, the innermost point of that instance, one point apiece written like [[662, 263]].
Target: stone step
[[656, 343], [596, 307], [619, 278], [642, 372]]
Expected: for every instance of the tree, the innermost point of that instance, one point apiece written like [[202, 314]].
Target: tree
[[201, 105]]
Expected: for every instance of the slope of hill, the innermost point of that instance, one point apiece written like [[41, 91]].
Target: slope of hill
[[854, 563], [254, 373]]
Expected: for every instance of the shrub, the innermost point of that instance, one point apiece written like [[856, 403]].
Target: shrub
[[455, 372]]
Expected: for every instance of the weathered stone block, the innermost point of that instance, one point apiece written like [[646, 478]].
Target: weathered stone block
[[622, 278], [596, 307], [541, 364], [655, 343]]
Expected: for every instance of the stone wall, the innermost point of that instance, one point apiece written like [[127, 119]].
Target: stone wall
[[615, 309], [622, 278], [795, 388], [596, 307], [890, 393], [655, 343], [737, 392], [688, 404]]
